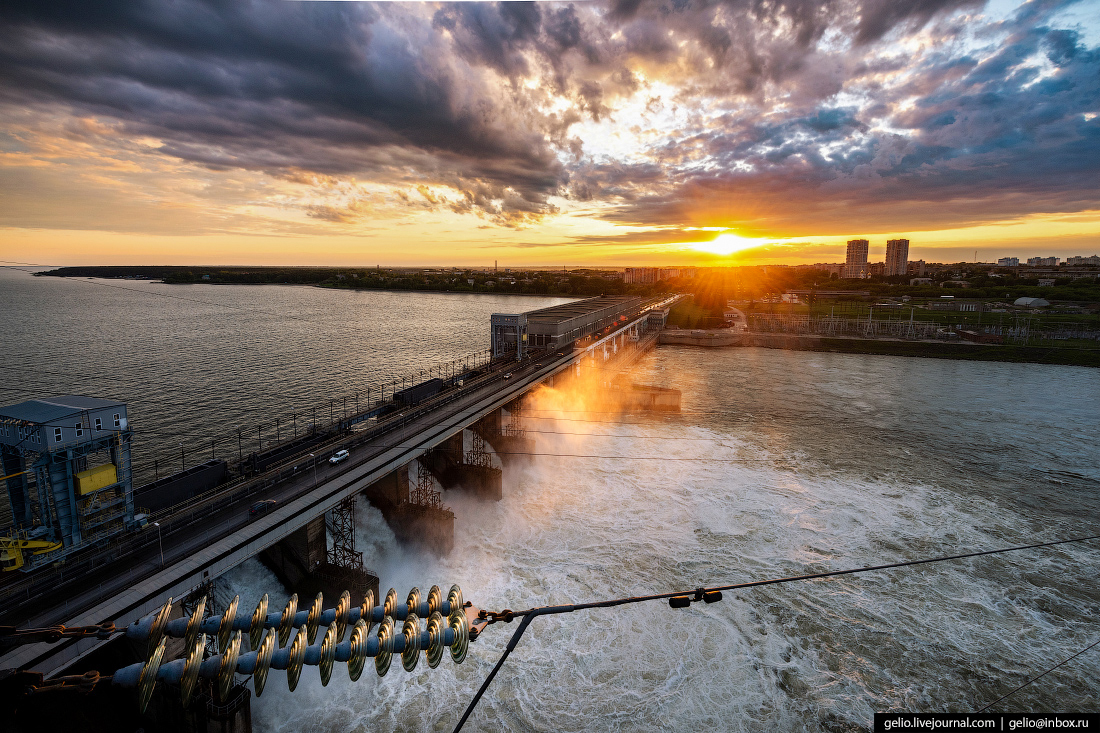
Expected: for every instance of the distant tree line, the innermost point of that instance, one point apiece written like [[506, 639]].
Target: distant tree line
[[534, 282], [712, 288]]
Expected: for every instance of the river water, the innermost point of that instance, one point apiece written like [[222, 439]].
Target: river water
[[781, 463], [195, 363]]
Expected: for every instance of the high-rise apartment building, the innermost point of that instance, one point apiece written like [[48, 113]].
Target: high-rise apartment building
[[855, 265], [897, 257], [640, 275], [1008, 262]]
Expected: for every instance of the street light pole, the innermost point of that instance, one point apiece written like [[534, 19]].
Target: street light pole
[[314, 469], [160, 543]]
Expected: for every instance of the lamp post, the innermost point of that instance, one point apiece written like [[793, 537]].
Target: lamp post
[[314, 468], [160, 543]]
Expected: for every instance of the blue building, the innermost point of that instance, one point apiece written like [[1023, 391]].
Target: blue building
[[66, 463]]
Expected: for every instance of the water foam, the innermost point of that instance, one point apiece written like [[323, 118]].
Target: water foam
[[820, 655]]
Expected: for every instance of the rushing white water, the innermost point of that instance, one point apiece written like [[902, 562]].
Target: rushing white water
[[782, 463]]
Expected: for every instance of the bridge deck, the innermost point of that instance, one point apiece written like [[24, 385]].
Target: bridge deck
[[202, 549], [220, 534]]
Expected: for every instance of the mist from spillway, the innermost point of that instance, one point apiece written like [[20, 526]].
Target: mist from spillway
[[781, 463]]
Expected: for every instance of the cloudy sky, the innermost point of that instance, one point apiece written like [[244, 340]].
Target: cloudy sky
[[622, 132]]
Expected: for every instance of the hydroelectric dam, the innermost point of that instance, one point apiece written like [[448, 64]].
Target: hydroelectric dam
[[86, 547]]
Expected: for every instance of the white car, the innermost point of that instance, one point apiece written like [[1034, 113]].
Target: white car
[[338, 456]]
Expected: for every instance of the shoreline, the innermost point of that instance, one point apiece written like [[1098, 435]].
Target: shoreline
[[323, 284], [885, 347]]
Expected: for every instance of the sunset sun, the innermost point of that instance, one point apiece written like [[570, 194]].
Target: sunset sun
[[727, 244]]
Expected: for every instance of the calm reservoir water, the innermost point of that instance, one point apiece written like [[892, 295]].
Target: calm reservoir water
[[194, 363], [781, 463]]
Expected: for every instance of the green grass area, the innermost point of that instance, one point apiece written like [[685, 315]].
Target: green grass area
[[863, 311], [686, 314]]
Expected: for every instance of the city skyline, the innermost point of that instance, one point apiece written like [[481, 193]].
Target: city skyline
[[612, 133]]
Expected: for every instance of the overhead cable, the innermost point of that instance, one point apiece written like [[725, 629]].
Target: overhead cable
[[681, 599], [1033, 679]]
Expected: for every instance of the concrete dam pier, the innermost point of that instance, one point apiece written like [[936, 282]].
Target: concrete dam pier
[[304, 563], [413, 509]]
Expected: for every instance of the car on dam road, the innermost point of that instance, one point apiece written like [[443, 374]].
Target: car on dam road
[[338, 456], [261, 507]]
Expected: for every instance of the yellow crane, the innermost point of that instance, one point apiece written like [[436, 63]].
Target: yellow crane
[[12, 550]]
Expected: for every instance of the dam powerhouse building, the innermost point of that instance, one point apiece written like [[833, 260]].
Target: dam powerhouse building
[[558, 325]]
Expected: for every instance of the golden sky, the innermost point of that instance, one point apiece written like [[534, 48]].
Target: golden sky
[[607, 133]]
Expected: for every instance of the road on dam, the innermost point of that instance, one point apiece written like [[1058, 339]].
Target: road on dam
[[207, 544]]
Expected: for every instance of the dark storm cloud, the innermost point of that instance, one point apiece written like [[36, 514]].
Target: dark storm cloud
[[878, 17], [979, 140], [331, 88], [789, 115], [493, 35]]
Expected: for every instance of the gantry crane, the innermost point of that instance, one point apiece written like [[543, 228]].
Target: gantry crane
[[12, 550]]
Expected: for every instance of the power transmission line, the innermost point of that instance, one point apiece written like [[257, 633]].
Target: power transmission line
[[1033, 679], [682, 599]]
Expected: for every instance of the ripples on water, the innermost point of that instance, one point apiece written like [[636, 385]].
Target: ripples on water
[[835, 461], [196, 362]]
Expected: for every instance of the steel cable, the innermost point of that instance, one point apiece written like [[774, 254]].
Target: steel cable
[[699, 594], [1033, 679]]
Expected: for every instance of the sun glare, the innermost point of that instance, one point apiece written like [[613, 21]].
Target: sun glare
[[727, 244]]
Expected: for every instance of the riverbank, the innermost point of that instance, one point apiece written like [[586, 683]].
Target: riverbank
[[538, 283], [888, 347]]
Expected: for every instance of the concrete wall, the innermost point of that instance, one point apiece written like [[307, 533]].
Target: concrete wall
[[180, 487], [678, 337], [723, 337], [389, 492], [295, 557], [642, 397], [429, 529]]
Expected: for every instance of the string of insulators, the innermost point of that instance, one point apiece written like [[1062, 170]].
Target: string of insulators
[[156, 625], [445, 627]]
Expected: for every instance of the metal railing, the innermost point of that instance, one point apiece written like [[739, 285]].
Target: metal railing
[[285, 428], [203, 506]]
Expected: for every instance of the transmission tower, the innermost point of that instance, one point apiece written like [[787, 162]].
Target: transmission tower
[[343, 554], [515, 427], [423, 493], [478, 455]]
